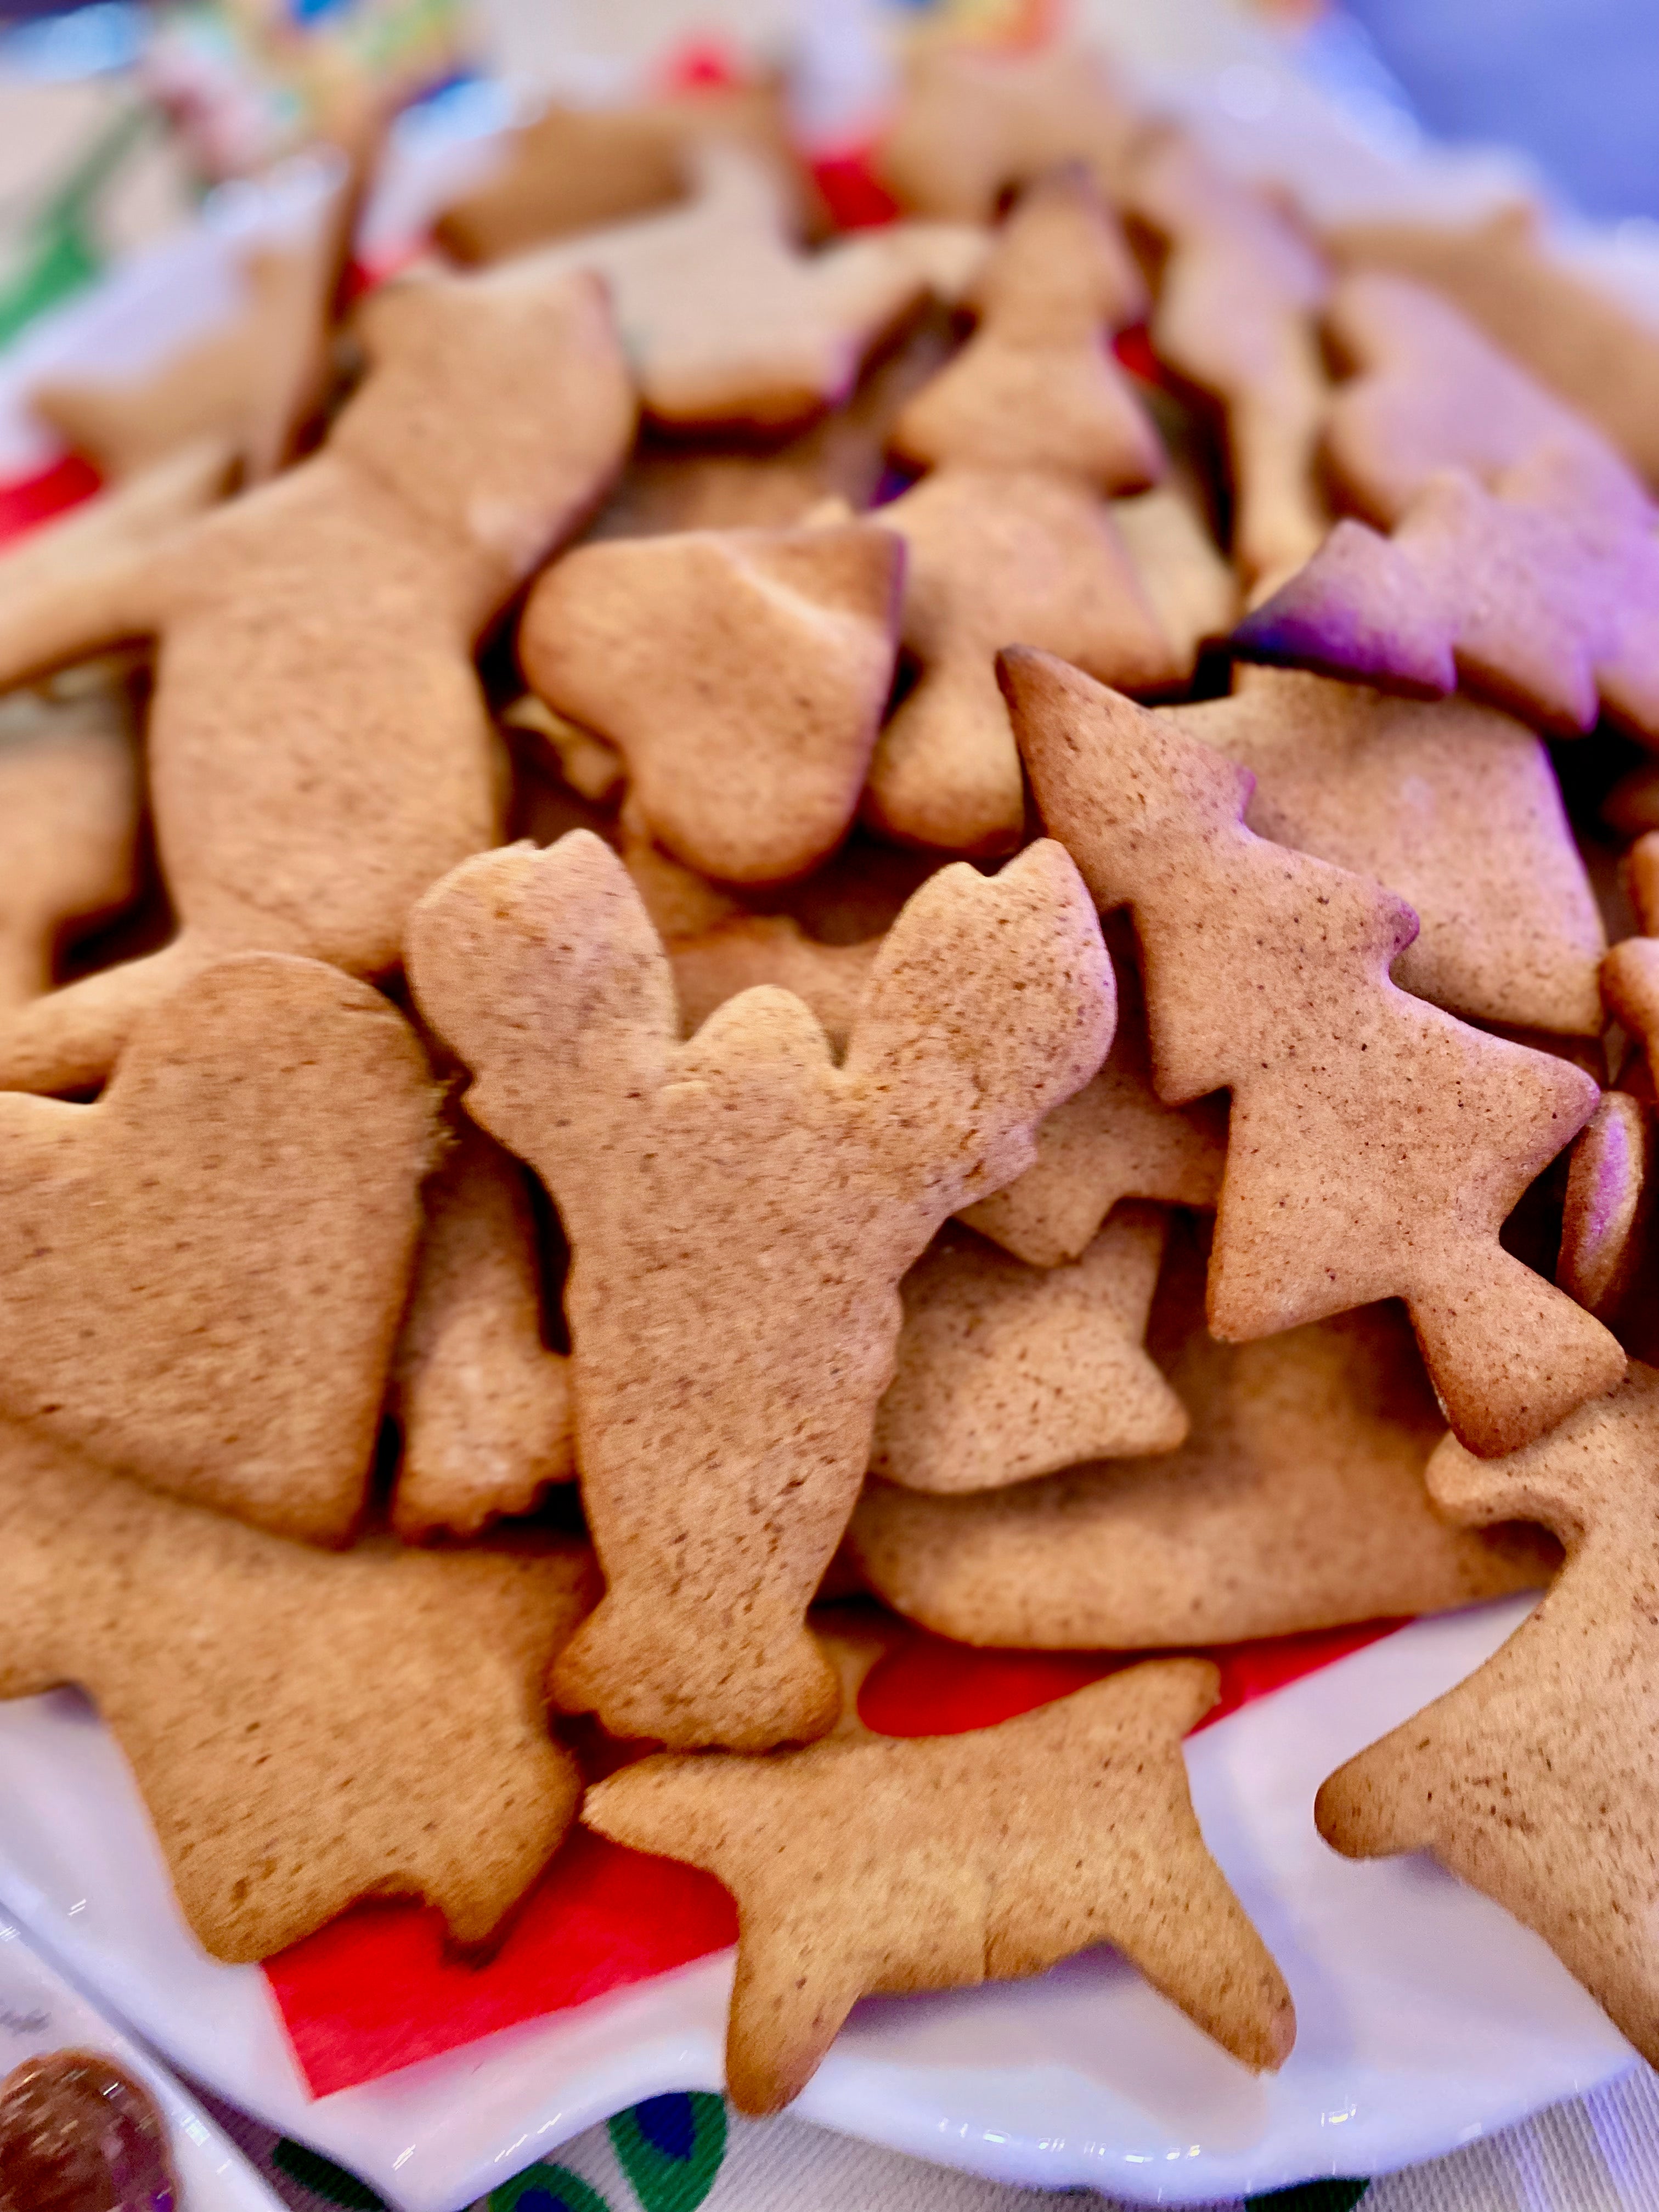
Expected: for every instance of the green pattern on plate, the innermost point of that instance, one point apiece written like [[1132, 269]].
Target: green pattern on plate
[[545, 2188], [323, 2178], [61, 255], [671, 2149]]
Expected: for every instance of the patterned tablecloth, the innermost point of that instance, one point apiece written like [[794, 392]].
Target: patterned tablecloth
[[676, 2152]]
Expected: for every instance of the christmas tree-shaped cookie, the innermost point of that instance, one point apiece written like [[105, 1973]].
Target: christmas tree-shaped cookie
[[1375, 1143]]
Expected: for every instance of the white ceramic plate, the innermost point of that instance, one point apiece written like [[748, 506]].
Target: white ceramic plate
[[40, 2012], [1427, 2016]]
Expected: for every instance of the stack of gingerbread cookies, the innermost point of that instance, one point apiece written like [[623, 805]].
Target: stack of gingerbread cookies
[[808, 930]]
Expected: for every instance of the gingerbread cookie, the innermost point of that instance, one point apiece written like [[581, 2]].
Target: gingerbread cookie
[[74, 550], [1570, 332], [1007, 1372], [251, 383], [1376, 1144], [974, 122], [1609, 1204], [1114, 1139], [741, 675], [1038, 387], [740, 1211], [990, 557], [1297, 1502], [1190, 587], [1236, 321], [725, 319], [1534, 596], [306, 1730], [1536, 1780], [483, 1404], [1455, 807], [573, 168], [273, 1110], [710, 969], [883, 1864], [69, 826], [319, 751]]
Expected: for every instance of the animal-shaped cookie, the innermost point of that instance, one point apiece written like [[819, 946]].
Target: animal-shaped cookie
[[741, 674], [1297, 1502], [725, 319], [740, 1211], [884, 1864], [1452, 805], [1113, 1140], [1376, 1144], [1007, 1372], [1235, 319], [305, 1728], [1534, 596], [994, 555], [570, 169], [1037, 386], [713, 967], [319, 748], [1535, 1779], [484, 1405], [1571, 331], [975, 122], [69, 826], [201, 1274], [251, 381]]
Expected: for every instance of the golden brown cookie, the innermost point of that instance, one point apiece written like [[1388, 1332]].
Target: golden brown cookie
[[726, 320], [1609, 1204], [1297, 1502], [1535, 1779], [573, 168], [992, 555], [1376, 1145], [484, 1405], [740, 673], [1007, 1372], [305, 1728], [1038, 387], [69, 826], [1455, 807], [1570, 332], [735, 956], [1114, 1139], [740, 1211], [1190, 587], [320, 750], [975, 122], [202, 1274], [1235, 319], [1535, 596], [880, 1864]]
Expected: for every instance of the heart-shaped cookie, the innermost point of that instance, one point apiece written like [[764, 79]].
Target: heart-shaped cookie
[[201, 1274]]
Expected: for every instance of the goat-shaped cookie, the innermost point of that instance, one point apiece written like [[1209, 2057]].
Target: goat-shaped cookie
[[938, 1863], [1537, 1779], [1376, 1145], [740, 1211], [318, 745]]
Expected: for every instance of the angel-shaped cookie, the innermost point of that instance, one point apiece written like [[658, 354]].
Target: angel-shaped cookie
[[1536, 1779], [740, 1211], [318, 747], [1037, 386], [880, 1863], [307, 1729], [1376, 1144]]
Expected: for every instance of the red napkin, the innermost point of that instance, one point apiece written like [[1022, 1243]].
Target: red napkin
[[376, 1990]]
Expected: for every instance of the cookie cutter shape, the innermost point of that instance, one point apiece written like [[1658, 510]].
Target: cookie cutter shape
[[740, 1211]]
